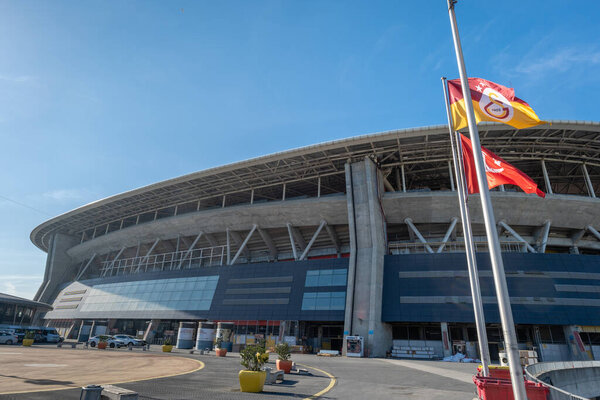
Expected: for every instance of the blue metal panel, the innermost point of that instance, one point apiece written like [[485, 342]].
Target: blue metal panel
[[531, 277], [264, 291]]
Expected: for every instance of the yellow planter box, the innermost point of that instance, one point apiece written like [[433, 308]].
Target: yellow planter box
[[27, 342], [252, 381], [166, 348]]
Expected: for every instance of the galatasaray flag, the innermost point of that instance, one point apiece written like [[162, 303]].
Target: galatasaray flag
[[498, 171], [491, 102]]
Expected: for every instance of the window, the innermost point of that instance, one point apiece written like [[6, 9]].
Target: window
[[326, 277], [192, 293], [324, 301]]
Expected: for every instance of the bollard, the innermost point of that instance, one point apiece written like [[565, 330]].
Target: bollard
[[91, 392]]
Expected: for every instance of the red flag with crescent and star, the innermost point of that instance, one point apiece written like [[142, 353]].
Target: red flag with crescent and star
[[497, 171]]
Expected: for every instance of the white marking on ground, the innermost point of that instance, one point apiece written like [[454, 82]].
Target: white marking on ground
[[46, 365], [448, 373], [3, 353]]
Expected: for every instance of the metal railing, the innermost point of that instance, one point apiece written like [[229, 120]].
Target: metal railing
[[204, 257], [534, 370], [450, 247]]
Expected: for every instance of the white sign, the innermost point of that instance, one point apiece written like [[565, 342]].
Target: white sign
[[205, 334], [291, 340], [186, 334]]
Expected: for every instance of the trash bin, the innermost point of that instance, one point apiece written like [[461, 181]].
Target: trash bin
[[91, 392], [496, 371], [501, 389]]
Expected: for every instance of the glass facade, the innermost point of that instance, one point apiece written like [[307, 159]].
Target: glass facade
[[326, 277], [324, 301], [192, 293]]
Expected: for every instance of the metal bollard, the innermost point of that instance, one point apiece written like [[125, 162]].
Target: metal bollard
[[91, 392]]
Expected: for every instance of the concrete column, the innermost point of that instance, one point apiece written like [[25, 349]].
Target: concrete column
[[447, 344], [58, 267], [367, 249]]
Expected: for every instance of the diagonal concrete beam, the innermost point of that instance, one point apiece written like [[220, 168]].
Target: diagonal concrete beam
[[334, 238], [312, 240], [412, 227], [516, 236], [237, 238], [266, 237], [243, 245]]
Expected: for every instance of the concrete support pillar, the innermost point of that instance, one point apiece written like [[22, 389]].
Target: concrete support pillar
[[367, 249], [447, 344], [58, 267], [576, 345]]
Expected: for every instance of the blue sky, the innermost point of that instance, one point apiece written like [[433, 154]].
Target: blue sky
[[100, 97]]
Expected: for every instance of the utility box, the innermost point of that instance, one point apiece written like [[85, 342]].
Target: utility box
[[354, 346]]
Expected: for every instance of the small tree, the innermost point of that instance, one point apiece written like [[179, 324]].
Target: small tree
[[283, 351], [218, 342], [253, 358], [167, 341]]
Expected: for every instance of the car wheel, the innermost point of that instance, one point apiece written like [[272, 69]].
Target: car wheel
[[8, 342], [92, 344], [112, 345]]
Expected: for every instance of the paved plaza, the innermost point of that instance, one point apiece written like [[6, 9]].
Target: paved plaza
[[41, 370]]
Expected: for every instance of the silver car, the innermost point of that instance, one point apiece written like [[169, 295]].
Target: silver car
[[8, 338]]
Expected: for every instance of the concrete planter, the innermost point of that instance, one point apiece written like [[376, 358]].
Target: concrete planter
[[252, 381], [166, 348], [221, 352], [27, 342], [284, 365]]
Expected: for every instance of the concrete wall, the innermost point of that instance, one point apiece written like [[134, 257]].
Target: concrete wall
[[581, 378], [367, 226], [58, 264]]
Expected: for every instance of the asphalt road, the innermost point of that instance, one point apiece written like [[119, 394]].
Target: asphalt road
[[370, 379]]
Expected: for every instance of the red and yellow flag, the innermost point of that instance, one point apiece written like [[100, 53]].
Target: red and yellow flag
[[497, 171], [491, 102]]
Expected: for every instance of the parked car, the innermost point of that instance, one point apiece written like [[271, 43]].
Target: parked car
[[8, 338], [111, 341], [130, 340], [50, 335]]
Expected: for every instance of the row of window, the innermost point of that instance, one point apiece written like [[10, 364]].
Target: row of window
[[157, 285], [324, 301], [326, 277], [202, 305]]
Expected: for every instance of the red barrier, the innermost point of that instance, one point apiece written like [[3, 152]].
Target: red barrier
[[501, 389], [496, 371]]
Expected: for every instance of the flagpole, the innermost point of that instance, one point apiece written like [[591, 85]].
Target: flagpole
[[508, 325], [484, 350]]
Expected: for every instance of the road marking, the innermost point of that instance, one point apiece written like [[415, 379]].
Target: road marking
[[66, 387], [3, 353], [332, 382], [447, 373]]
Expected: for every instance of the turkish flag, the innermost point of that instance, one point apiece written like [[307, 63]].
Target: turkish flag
[[498, 171]]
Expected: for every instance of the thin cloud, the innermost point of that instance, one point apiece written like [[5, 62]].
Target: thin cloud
[[65, 194], [561, 61], [18, 79], [20, 285]]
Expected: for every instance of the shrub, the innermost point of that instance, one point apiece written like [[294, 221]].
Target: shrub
[[29, 335], [218, 342], [253, 358], [167, 342], [283, 351]]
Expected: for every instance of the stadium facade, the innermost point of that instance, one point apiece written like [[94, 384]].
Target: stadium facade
[[358, 236]]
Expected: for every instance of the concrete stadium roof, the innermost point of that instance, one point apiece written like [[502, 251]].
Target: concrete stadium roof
[[425, 150], [10, 299]]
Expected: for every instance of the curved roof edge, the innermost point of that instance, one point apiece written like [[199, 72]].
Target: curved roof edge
[[9, 298], [418, 131]]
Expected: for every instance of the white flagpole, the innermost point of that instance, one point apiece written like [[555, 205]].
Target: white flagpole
[[508, 324], [484, 350]]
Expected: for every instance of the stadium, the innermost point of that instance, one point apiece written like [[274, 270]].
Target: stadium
[[359, 236]]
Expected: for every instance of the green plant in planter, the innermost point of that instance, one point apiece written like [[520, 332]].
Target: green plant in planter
[[29, 335], [218, 342], [167, 342], [253, 358], [283, 351]]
